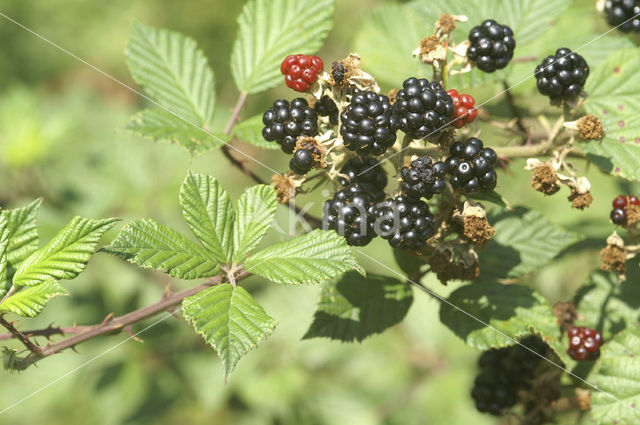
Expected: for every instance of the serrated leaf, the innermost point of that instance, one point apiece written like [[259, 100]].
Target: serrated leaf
[[4, 244], [495, 315], [269, 30], [618, 374], [524, 242], [493, 197], [30, 301], [250, 131], [607, 305], [230, 320], [149, 244], [613, 86], [256, 210], [23, 239], [312, 258], [208, 210], [618, 152], [356, 307], [160, 125], [66, 255], [173, 71], [528, 19]]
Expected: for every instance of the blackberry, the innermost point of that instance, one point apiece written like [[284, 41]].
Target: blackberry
[[367, 125], [326, 107], [584, 343], [284, 122], [465, 113], [301, 71], [492, 392], [471, 166], [423, 178], [367, 173], [620, 12], [492, 45], [351, 213], [423, 108], [301, 162], [405, 222], [621, 208], [562, 76]]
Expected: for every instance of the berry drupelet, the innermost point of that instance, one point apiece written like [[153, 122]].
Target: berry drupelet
[[301, 71], [284, 122], [584, 343], [326, 107], [562, 76], [404, 222], [367, 172], [423, 178], [351, 213], [423, 108], [471, 166], [620, 208], [465, 112], [367, 124], [492, 45], [620, 14]]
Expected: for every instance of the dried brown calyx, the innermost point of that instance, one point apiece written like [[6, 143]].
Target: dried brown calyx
[[393, 95], [580, 200], [446, 23], [431, 50], [590, 128], [565, 313], [317, 150], [545, 179], [284, 186], [613, 257], [475, 226], [447, 268], [633, 216]]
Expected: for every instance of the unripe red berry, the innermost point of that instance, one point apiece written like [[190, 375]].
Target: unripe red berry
[[620, 202], [301, 71], [584, 343]]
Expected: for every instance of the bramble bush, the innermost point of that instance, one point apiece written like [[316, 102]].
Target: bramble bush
[[420, 165]]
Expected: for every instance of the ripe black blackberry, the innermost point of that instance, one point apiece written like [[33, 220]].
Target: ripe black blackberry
[[284, 122], [423, 108], [302, 161], [562, 76], [493, 392], [492, 45], [471, 166], [423, 178], [405, 222], [351, 213], [367, 125], [367, 173], [620, 12], [326, 107]]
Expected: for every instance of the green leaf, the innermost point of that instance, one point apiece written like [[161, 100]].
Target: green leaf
[[607, 305], [66, 255], [618, 374], [524, 242], [619, 151], [173, 71], [208, 210], [494, 314], [613, 86], [528, 19], [151, 245], [250, 131], [23, 239], [312, 258], [493, 197], [30, 301], [356, 307], [256, 210], [160, 125], [4, 244], [269, 30], [230, 320]]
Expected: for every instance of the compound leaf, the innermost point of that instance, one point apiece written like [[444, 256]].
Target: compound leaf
[[312, 258], [230, 320], [30, 301], [355, 307], [256, 210], [149, 244]]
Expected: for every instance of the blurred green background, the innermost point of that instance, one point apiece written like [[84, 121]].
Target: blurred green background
[[61, 138]]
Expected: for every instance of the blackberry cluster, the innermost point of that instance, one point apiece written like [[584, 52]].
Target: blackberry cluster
[[367, 173], [423, 108], [367, 124], [284, 122], [326, 107], [620, 208], [620, 12], [562, 76], [504, 372], [471, 166], [492, 45], [423, 178], [584, 343], [351, 213], [405, 222]]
